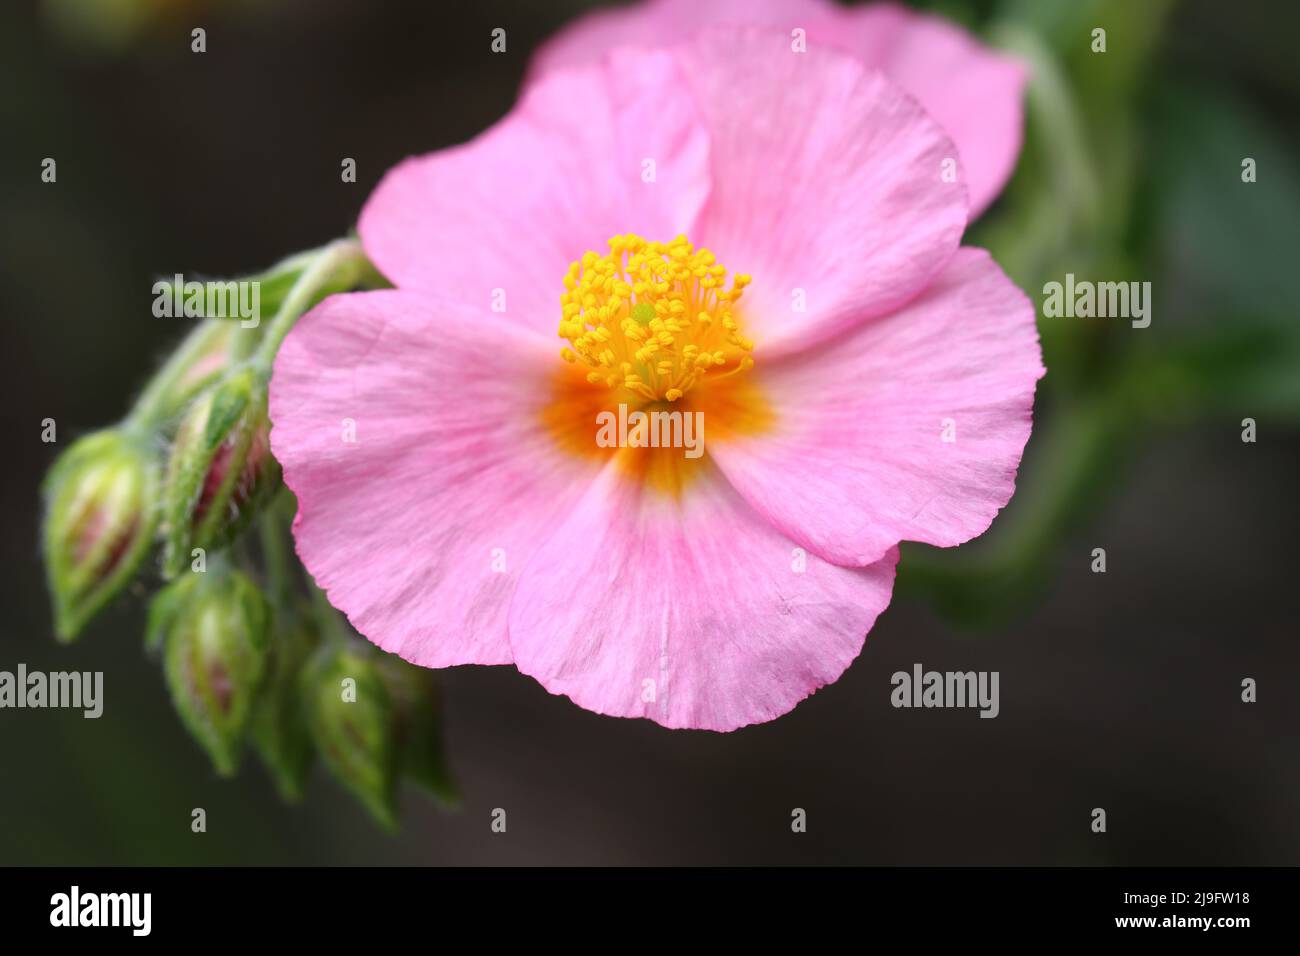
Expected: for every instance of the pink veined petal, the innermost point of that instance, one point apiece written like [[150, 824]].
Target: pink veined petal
[[666, 23], [975, 93], [828, 185], [860, 457], [586, 154], [692, 612], [418, 528]]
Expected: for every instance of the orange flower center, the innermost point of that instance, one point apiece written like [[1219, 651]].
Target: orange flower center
[[654, 352]]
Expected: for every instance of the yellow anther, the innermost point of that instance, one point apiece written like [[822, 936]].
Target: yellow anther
[[629, 313]]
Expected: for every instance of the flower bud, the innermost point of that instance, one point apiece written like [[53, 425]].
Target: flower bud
[[221, 468], [207, 358], [279, 729], [353, 723], [101, 510], [422, 755], [213, 629]]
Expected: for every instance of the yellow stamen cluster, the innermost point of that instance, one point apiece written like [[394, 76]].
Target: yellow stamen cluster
[[652, 317]]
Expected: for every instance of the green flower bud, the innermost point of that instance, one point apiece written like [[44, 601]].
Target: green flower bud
[[207, 358], [422, 754], [353, 723], [221, 468], [279, 729], [101, 510], [213, 628]]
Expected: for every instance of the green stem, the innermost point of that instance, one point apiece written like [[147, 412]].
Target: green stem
[[243, 343], [277, 558], [336, 267]]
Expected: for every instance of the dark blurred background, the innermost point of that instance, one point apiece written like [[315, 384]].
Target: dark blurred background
[[1118, 690]]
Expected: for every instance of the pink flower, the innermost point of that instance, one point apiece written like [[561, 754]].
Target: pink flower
[[476, 519], [973, 93]]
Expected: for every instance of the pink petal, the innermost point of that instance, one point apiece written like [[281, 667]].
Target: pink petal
[[401, 527], [696, 595], [665, 23], [560, 175], [975, 94], [827, 185], [858, 460]]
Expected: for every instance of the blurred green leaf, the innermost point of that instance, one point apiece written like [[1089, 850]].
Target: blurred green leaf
[[1228, 247]]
